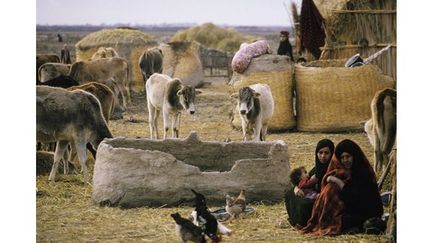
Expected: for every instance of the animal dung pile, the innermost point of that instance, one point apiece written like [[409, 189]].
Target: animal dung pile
[[128, 42], [182, 60], [335, 98], [142, 172], [277, 72]]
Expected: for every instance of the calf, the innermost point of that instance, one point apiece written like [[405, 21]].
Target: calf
[[169, 96], [381, 128], [65, 117], [256, 106], [52, 70], [150, 62], [61, 81]]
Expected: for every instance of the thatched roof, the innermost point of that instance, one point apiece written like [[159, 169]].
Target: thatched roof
[[115, 37], [360, 26]]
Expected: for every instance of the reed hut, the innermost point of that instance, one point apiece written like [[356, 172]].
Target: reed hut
[[128, 42], [360, 26]]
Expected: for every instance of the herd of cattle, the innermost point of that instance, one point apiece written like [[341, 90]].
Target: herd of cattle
[[75, 102]]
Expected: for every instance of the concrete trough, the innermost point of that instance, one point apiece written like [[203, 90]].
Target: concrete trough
[[142, 172]]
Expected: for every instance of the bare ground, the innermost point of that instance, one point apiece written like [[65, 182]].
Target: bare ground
[[65, 212]]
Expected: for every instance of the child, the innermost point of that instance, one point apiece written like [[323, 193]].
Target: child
[[300, 178]]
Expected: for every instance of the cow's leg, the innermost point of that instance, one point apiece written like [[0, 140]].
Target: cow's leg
[[82, 156], [156, 117], [175, 123], [257, 131], [264, 132], [58, 155], [152, 119], [244, 129], [166, 122], [377, 153]]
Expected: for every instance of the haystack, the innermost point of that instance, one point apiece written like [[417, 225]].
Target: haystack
[[277, 72], [359, 26], [129, 43], [333, 98], [182, 60]]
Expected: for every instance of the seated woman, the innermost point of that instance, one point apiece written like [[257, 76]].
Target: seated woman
[[298, 207], [349, 193]]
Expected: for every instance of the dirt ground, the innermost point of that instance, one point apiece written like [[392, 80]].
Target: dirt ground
[[66, 213]]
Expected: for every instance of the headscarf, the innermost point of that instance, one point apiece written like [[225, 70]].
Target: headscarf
[[320, 168], [361, 168]]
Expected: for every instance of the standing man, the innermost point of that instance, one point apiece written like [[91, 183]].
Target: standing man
[[65, 55], [285, 47]]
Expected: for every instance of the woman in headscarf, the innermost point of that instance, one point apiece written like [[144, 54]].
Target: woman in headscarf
[[298, 207], [349, 194]]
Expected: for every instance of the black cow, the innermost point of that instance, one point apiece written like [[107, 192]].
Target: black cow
[[150, 62]]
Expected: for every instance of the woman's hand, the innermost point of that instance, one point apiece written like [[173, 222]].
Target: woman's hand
[[336, 180], [298, 192]]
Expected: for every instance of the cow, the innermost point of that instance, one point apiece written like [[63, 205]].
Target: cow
[[102, 93], [65, 117], [104, 52], [115, 68], [61, 81], [52, 70], [44, 58], [255, 105], [170, 96], [381, 128], [150, 62]]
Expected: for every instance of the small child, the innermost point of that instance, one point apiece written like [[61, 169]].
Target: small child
[[300, 178]]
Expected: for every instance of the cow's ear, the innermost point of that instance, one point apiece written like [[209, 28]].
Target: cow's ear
[[256, 95], [180, 92], [197, 91], [362, 123], [234, 95]]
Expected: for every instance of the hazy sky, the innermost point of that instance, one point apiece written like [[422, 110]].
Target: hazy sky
[[231, 12]]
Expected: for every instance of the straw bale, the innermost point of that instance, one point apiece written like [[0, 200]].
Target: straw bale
[[277, 72], [333, 99], [129, 44], [182, 60]]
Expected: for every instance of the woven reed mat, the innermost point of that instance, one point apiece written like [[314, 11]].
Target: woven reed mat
[[335, 99], [277, 72]]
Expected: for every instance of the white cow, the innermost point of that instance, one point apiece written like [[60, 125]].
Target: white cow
[[169, 96], [256, 106]]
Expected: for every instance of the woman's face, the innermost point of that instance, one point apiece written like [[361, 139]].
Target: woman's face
[[347, 160], [324, 155]]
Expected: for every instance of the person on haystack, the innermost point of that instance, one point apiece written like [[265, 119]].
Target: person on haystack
[[285, 47]]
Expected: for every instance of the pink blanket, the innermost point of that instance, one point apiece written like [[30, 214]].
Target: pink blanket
[[244, 55]]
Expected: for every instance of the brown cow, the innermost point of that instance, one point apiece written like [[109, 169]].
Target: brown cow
[[104, 52], [381, 128], [104, 95], [150, 62], [44, 58], [115, 68], [51, 70]]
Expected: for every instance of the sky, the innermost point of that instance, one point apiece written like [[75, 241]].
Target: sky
[[145, 12]]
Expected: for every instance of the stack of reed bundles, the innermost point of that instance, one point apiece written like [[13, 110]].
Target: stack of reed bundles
[[277, 72], [334, 98], [182, 60]]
